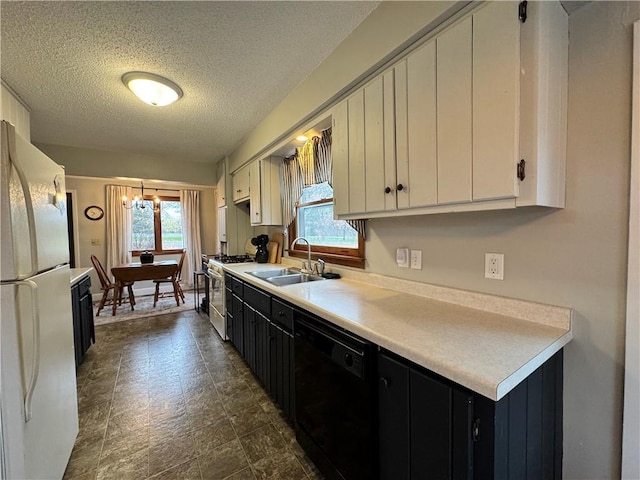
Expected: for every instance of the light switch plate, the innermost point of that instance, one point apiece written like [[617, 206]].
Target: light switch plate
[[402, 257], [416, 259]]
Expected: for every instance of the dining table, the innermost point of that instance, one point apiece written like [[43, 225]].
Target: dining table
[[127, 273]]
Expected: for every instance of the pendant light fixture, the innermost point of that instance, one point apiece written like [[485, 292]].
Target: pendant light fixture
[[152, 89], [138, 201]]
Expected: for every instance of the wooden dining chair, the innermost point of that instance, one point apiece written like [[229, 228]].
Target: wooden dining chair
[[107, 286], [173, 280]]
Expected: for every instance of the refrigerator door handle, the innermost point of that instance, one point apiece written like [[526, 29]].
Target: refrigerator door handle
[[35, 362], [28, 201]]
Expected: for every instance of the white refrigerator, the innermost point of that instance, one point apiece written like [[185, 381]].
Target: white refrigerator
[[38, 399]]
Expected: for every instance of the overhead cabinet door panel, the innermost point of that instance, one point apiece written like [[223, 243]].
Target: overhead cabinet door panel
[[454, 113], [389, 128], [340, 156], [420, 189], [496, 91], [356, 153], [374, 145], [401, 140]]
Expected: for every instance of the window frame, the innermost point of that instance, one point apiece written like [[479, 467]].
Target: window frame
[[157, 228], [349, 257]]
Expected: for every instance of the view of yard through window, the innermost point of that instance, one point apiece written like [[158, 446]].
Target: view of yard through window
[[169, 227], [316, 222]]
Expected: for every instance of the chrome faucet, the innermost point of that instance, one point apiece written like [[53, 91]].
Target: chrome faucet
[[305, 268], [319, 266]]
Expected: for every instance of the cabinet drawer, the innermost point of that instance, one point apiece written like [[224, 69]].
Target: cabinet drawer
[[282, 314], [84, 287], [237, 286], [257, 299]]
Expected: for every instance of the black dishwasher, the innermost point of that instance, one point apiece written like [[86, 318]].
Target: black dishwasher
[[335, 399]]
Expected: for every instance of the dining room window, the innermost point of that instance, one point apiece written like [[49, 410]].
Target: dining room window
[[158, 226]]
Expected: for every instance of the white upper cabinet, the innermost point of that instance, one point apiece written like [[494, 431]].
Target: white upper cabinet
[[240, 183], [264, 201], [496, 79], [446, 128]]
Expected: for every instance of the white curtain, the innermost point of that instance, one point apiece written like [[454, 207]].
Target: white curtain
[[291, 182], [190, 202], [118, 227]]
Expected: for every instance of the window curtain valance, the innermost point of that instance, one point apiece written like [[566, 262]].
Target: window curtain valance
[[311, 164]]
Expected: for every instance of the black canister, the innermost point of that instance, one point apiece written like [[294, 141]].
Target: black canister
[[262, 256], [146, 257], [261, 241]]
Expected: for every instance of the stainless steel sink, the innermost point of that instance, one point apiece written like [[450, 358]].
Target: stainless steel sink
[[292, 279], [285, 276], [274, 273]]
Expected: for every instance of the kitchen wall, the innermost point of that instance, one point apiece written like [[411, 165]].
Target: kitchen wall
[[91, 191], [574, 257], [101, 163]]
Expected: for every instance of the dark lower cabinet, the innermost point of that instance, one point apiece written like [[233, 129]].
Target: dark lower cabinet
[[263, 350], [281, 366], [281, 363], [237, 308], [249, 320], [424, 424], [261, 328], [520, 436], [228, 299], [83, 327], [433, 428]]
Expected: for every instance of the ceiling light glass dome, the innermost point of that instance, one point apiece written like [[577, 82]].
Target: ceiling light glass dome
[[152, 89]]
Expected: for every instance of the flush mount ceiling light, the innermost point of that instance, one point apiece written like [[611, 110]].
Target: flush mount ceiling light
[[302, 138], [152, 89]]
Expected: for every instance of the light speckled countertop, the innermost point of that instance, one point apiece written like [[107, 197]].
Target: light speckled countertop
[[78, 274], [488, 347]]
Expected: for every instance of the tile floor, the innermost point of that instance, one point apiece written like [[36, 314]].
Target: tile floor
[[164, 398]]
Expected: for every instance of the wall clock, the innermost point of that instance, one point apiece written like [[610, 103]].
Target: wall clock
[[93, 212]]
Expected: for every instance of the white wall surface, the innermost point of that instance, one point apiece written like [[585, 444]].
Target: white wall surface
[[101, 163], [575, 257], [91, 191]]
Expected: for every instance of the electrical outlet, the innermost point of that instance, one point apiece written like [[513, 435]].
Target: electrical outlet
[[416, 259], [494, 266], [402, 257]]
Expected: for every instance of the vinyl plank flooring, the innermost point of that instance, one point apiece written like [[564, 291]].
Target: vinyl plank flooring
[[164, 398]]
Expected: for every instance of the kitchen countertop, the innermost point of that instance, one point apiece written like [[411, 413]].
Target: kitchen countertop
[[78, 274], [488, 347]]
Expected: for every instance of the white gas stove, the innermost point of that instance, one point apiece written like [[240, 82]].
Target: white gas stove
[[215, 272]]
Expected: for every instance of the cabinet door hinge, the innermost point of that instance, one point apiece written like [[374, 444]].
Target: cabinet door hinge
[[520, 170], [475, 430], [522, 11]]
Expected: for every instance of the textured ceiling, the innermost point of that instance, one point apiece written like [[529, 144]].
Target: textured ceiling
[[235, 62]]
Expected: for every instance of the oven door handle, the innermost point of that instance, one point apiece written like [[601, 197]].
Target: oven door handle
[[214, 274]]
